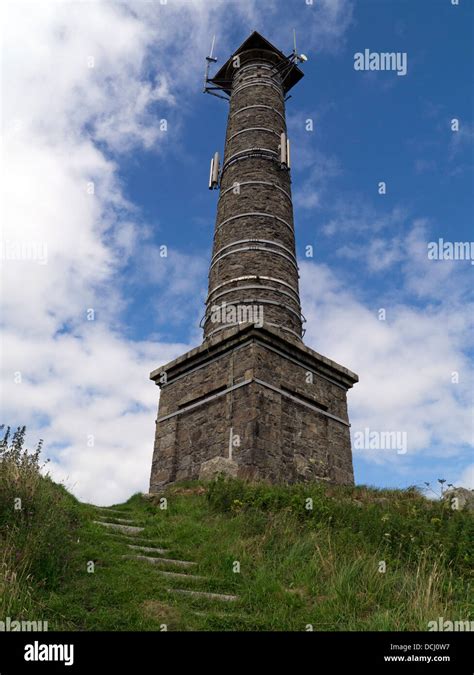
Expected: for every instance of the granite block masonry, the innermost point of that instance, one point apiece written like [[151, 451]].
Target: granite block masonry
[[253, 393]]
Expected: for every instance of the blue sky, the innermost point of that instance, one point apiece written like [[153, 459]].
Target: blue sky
[[76, 124]]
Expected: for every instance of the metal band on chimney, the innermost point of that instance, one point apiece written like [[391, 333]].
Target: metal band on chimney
[[258, 301], [256, 287], [263, 153], [246, 249], [254, 213], [259, 105], [256, 241], [245, 131], [255, 64], [255, 182], [238, 75], [257, 84], [248, 277], [260, 77]]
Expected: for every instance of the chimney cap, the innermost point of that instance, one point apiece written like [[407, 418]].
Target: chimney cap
[[255, 41]]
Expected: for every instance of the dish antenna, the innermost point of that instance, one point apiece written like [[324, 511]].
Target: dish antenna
[[290, 62], [302, 58]]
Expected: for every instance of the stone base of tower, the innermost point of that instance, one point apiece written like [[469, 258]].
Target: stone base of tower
[[277, 408]]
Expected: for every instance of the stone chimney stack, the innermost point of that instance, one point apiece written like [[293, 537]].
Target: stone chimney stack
[[254, 260], [253, 401]]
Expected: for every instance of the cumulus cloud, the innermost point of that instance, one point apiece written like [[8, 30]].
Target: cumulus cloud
[[380, 254], [321, 169], [414, 367], [466, 479], [324, 24], [352, 216]]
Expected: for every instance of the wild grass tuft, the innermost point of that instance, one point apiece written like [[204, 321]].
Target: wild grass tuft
[[38, 519]]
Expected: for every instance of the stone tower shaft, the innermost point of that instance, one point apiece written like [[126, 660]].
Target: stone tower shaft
[[253, 258], [253, 400]]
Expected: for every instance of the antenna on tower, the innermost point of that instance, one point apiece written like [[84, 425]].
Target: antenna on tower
[[284, 69], [207, 80], [295, 56], [210, 59]]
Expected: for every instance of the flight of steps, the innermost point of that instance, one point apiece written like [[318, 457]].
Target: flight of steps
[[122, 529]]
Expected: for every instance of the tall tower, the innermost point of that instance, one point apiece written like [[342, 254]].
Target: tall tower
[[253, 394]]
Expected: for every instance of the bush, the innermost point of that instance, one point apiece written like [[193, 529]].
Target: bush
[[38, 520]]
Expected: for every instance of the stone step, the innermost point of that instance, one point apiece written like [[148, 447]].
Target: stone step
[[180, 575], [106, 509], [148, 549], [128, 529], [203, 594], [125, 538], [121, 520], [164, 561], [223, 615]]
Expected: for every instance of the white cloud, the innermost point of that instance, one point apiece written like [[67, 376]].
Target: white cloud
[[466, 479], [405, 363], [351, 216], [322, 25], [379, 254], [321, 168]]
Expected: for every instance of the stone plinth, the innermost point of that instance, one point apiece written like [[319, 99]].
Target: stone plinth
[[278, 408]]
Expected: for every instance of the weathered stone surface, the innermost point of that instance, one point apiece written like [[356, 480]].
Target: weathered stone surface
[[180, 575], [286, 427], [126, 529], [203, 594], [282, 405], [148, 549], [218, 466], [254, 244], [161, 561], [464, 498]]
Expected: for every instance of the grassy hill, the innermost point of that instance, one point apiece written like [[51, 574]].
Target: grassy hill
[[282, 558]]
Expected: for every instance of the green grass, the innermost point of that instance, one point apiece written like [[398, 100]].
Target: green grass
[[298, 567], [296, 556]]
